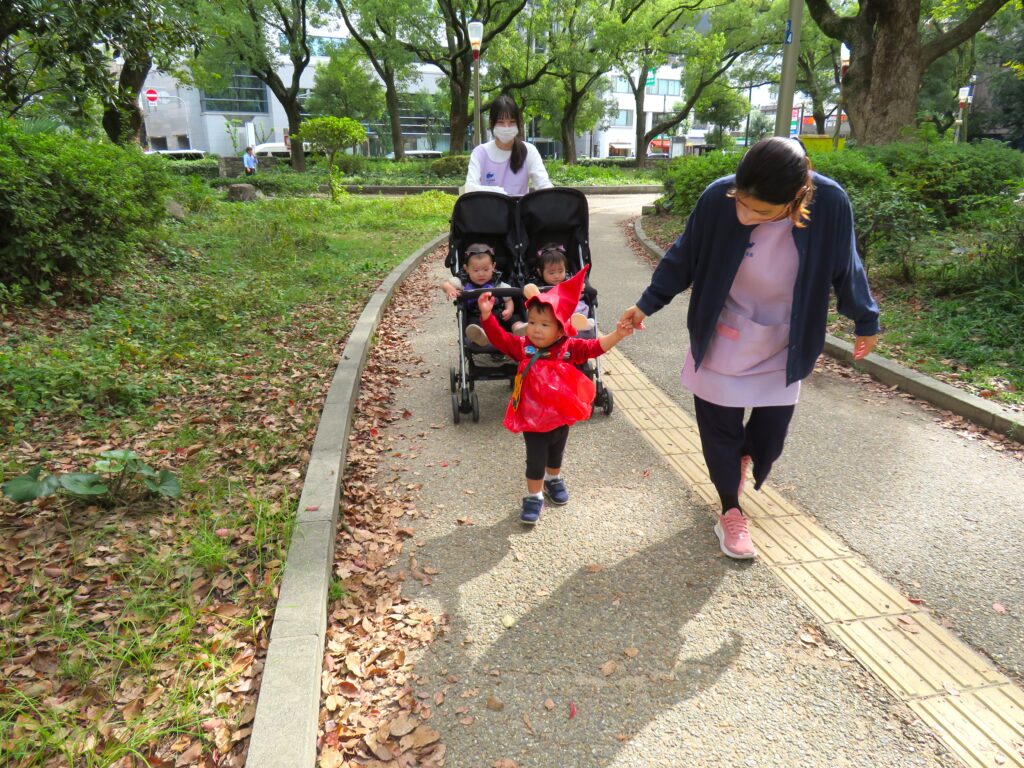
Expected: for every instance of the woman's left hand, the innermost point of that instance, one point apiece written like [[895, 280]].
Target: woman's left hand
[[863, 345]]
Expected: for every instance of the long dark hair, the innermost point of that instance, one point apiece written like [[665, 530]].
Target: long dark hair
[[505, 108], [777, 170]]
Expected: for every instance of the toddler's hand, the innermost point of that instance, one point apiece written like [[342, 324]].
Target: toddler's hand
[[634, 318], [486, 304], [625, 328], [506, 313]]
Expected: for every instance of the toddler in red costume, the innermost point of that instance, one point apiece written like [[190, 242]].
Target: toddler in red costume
[[550, 393]]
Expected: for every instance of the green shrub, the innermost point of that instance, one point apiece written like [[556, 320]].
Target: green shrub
[[206, 168], [887, 218], [350, 164], [946, 176], [72, 210], [451, 165], [687, 177], [283, 181]]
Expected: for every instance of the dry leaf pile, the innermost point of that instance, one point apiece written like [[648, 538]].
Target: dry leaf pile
[[370, 714], [121, 645]]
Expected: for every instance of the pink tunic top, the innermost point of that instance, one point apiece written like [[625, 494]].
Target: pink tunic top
[[745, 365]]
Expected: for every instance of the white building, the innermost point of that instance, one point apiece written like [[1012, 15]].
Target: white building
[[245, 112]]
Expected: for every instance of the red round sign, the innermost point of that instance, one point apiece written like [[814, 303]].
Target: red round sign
[[152, 95]]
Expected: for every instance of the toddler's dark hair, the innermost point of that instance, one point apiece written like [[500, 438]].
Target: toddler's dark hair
[[551, 254]]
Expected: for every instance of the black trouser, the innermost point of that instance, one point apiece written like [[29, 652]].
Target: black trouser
[[725, 441], [544, 449]]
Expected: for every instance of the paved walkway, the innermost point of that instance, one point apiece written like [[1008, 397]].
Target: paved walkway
[[622, 610]]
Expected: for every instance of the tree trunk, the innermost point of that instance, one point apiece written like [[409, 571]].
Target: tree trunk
[[294, 126], [394, 113], [887, 59], [458, 116], [640, 117], [122, 119], [884, 76], [568, 128]]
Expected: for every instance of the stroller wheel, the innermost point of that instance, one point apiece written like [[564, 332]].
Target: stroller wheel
[[474, 403], [453, 377], [609, 402], [456, 413]]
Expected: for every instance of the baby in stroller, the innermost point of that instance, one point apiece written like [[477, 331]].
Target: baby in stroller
[[552, 268], [478, 272]]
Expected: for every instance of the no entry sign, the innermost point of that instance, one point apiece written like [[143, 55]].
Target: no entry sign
[[152, 95]]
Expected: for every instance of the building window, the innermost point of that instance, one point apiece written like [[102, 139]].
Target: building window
[[622, 85], [624, 119], [665, 88], [244, 93]]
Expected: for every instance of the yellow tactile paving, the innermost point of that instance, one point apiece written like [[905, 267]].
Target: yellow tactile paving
[[793, 539], [914, 656], [843, 589], [974, 709], [986, 724]]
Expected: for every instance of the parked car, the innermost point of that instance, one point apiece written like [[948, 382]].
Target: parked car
[[418, 154], [272, 149]]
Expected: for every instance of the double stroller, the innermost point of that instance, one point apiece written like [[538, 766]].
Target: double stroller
[[516, 228]]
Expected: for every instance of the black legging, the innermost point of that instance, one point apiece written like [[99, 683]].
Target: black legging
[[725, 440], [544, 449]]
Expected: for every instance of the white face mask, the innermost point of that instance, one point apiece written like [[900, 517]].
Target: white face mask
[[505, 133]]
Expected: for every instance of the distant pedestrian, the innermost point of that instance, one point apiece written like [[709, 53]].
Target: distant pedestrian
[[549, 394], [761, 250], [249, 161], [507, 164]]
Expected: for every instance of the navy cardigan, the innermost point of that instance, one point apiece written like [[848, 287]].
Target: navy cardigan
[[709, 253]]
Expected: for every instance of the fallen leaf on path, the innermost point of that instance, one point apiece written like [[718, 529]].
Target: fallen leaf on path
[[508, 621], [631, 653], [330, 758], [495, 704], [505, 763], [608, 668], [998, 608], [549, 704], [572, 709], [528, 724]]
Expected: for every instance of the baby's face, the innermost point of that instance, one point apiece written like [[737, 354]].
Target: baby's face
[[553, 274], [480, 268], [541, 327]]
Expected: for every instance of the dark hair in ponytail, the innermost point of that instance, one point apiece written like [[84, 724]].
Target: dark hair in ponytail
[[505, 108], [777, 170]]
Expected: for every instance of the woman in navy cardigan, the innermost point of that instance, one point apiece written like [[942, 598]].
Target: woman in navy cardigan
[[761, 250]]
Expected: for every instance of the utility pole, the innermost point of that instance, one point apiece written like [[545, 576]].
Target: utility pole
[[790, 52]]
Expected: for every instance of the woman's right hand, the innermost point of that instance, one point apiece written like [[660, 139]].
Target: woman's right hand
[[634, 318]]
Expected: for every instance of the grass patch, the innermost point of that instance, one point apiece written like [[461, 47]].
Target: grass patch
[[128, 631]]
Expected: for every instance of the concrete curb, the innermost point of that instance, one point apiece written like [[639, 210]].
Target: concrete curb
[[285, 726], [938, 393], [376, 189]]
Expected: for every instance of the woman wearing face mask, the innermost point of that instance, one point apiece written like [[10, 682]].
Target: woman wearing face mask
[[761, 250], [507, 164]]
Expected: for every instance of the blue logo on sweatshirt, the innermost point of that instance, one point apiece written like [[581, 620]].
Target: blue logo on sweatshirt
[[489, 176]]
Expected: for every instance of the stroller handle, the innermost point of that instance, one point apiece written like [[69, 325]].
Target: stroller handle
[[500, 293]]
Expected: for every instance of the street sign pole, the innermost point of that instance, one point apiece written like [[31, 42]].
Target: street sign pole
[[790, 52]]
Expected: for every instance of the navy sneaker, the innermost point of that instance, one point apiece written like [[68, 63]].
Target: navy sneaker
[[531, 509], [554, 489]]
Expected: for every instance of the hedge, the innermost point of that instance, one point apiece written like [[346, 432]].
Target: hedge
[[71, 209]]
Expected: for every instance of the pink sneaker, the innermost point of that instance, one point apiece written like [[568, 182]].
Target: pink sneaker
[[744, 466], [733, 536]]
